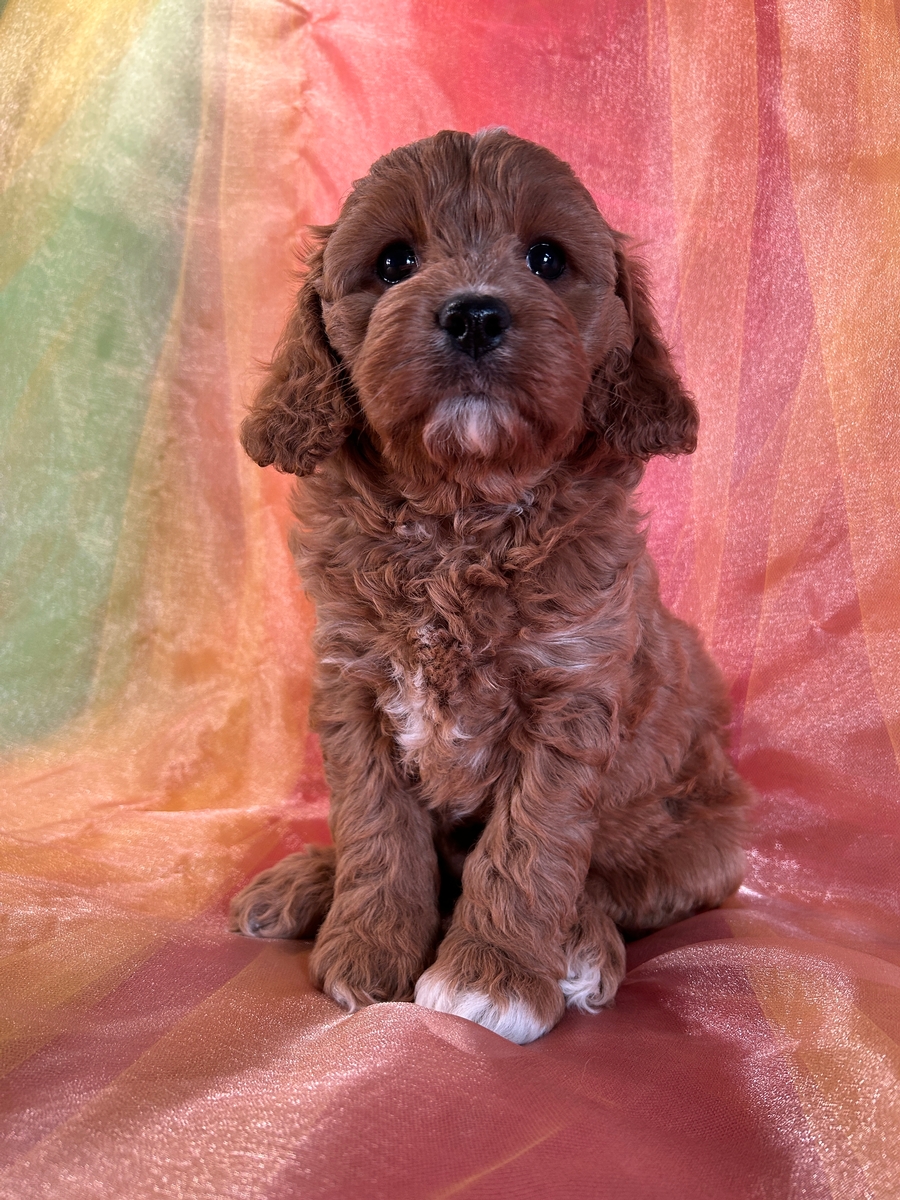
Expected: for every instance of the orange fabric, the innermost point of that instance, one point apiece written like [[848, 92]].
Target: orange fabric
[[159, 162]]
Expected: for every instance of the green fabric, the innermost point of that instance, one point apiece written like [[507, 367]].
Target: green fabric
[[91, 231]]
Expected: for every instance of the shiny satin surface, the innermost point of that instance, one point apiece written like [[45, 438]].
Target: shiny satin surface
[[158, 161]]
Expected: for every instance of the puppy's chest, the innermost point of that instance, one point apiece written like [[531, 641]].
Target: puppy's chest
[[460, 631], [456, 617], [474, 641]]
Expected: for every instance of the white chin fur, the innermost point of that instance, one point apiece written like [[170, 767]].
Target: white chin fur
[[514, 1021], [584, 987], [468, 425]]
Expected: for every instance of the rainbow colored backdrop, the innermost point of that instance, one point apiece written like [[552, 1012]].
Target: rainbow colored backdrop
[[158, 162]]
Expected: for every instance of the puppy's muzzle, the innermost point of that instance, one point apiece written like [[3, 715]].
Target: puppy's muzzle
[[475, 324]]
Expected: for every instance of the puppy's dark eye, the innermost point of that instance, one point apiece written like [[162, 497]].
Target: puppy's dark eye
[[546, 259], [396, 262]]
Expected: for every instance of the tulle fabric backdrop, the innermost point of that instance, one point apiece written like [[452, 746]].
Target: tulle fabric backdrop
[[158, 160]]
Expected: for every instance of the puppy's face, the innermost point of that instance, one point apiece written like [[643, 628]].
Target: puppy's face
[[469, 288], [473, 315]]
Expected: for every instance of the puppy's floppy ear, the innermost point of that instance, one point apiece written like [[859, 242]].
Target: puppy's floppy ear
[[304, 410], [637, 402]]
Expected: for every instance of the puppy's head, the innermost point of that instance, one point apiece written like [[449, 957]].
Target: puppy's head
[[473, 315]]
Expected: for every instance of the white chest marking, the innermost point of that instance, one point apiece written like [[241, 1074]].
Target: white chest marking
[[410, 709], [419, 720]]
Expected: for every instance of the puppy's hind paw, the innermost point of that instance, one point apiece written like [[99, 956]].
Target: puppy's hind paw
[[289, 900], [589, 987], [595, 956]]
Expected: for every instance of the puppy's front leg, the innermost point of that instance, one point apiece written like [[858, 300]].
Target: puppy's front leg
[[380, 931], [504, 956]]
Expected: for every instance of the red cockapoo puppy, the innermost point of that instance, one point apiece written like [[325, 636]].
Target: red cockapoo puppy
[[526, 751]]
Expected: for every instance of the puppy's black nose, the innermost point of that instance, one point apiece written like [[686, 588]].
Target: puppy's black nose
[[475, 323]]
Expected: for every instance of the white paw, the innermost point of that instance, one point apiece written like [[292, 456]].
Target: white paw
[[513, 1019], [586, 986]]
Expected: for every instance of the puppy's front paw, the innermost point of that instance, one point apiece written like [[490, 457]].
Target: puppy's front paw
[[289, 900], [358, 966], [476, 981]]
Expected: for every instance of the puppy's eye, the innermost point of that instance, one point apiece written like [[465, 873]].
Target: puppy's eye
[[546, 259], [396, 262]]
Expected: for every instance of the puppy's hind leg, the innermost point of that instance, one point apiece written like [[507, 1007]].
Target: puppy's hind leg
[[289, 900], [595, 953], [696, 867]]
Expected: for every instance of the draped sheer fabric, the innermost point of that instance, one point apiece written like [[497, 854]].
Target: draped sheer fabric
[[158, 162]]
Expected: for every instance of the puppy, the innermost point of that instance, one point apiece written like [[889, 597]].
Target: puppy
[[526, 751]]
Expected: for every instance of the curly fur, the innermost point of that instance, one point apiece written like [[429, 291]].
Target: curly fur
[[526, 750]]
